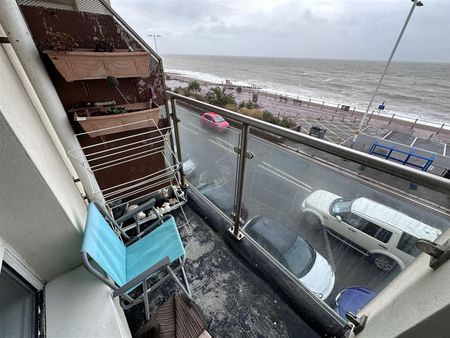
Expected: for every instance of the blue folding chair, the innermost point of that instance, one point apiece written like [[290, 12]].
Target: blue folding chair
[[130, 264]]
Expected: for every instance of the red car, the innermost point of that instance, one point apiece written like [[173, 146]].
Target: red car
[[214, 121]]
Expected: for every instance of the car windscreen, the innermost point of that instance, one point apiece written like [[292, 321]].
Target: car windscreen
[[341, 206], [218, 118], [300, 258]]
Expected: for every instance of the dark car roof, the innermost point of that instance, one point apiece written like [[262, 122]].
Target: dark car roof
[[353, 299], [278, 235]]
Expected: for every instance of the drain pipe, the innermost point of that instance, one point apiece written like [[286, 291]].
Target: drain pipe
[[9, 51], [19, 36]]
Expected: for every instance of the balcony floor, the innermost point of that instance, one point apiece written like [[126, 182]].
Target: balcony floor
[[235, 302]]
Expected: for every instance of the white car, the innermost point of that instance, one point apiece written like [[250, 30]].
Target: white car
[[386, 235], [294, 253]]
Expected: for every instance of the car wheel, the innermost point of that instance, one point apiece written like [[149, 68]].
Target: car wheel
[[312, 219], [384, 263]]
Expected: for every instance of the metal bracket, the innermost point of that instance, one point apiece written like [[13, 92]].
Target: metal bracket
[[233, 214], [173, 117], [240, 233], [249, 154], [358, 323], [439, 253]]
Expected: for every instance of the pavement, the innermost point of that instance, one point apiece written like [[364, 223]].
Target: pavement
[[279, 179], [301, 110]]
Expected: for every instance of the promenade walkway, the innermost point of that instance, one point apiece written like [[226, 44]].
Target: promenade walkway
[[341, 123]]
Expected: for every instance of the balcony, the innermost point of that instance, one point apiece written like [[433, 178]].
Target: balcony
[[234, 301], [284, 183], [272, 240], [293, 182]]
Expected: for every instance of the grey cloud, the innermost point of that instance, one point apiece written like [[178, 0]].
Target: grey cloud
[[348, 29]]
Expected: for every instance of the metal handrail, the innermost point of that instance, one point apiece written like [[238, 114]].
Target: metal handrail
[[430, 181]]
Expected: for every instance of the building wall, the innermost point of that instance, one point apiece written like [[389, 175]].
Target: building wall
[[41, 211], [80, 305], [87, 29], [415, 304]]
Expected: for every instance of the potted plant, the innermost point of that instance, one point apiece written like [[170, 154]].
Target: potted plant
[[86, 64], [108, 118]]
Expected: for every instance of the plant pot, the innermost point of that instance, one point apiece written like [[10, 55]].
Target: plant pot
[[82, 64], [141, 116]]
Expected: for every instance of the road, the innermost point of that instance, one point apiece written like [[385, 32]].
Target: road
[[277, 182]]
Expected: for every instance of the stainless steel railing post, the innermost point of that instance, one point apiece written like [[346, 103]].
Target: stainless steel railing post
[[240, 184], [177, 139]]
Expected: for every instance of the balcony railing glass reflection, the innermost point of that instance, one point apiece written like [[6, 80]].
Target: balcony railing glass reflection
[[330, 225]]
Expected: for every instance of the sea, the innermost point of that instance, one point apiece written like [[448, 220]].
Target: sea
[[409, 89]]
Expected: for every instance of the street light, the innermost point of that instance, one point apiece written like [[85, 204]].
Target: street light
[[154, 39], [361, 124]]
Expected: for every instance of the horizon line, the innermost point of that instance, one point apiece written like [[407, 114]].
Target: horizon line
[[305, 58]]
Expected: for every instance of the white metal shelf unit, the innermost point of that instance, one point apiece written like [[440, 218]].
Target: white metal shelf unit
[[112, 155]]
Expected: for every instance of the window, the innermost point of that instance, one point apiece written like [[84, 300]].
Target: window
[[407, 243], [382, 234], [218, 118], [18, 307], [356, 221], [341, 207], [369, 228]]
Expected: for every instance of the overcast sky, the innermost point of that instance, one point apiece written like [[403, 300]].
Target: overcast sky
[[338, 29]]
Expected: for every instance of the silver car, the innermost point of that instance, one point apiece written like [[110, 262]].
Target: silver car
[[386, 235], [294, 253]]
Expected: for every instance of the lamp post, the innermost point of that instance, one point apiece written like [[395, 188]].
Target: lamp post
[[361, 124], [154, 39]]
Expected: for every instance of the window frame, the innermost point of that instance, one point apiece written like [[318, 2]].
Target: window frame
[[405, 234], [369, 225], [36, 316]]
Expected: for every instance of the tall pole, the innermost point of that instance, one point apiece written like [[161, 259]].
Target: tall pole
[[156, 46], [361, 124], [154, 39]]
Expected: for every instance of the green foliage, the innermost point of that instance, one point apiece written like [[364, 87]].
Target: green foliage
[[112, 111], [194, 86], [186, 91], [268, 117], [112, 82], [256, 113], [198, 96], [217, 96], [249, 105], [285, 122], [182, 91], [232, 107]]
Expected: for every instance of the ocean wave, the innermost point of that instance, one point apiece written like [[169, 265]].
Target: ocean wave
[[197, 75], [354, 89]]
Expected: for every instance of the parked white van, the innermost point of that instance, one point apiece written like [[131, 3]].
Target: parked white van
[[386, 235]]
